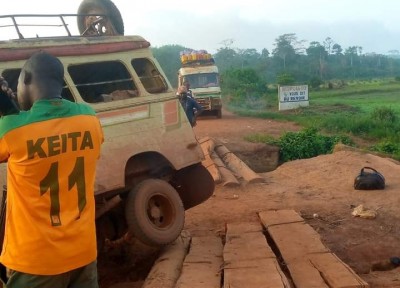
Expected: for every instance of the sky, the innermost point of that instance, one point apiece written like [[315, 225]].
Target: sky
[[243, 24]]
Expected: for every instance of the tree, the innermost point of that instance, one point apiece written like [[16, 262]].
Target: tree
[[317, 54], [351, 52], [245, 85], [227, 58], [328, 43], [337, 49], [227, 43], [250, 57], [168, 57], [285, 47], [360, 50], [265, 53]]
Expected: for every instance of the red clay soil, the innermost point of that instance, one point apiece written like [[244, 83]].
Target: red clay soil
[[322, 185], [320, 189]]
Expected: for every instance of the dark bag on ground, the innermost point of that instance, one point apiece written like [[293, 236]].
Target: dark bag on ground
[[369, 180]]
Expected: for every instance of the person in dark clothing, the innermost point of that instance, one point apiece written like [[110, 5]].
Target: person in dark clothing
[[189, 92], [191, 107]]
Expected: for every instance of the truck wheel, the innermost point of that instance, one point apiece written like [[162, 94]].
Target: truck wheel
[[219, 113], [154, 212], [94, 25]]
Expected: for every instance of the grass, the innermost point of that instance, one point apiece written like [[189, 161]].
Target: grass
[[369, 110]]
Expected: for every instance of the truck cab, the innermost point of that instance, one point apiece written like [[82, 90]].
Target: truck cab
[[203, 77]]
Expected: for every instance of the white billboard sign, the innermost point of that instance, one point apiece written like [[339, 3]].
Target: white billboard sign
[[292, 97]]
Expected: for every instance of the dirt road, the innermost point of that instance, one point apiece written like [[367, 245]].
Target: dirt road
[[320, 189]]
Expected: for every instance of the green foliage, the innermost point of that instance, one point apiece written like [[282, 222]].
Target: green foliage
[[384, 114], [244, 86], [315, 82], [355, 109], [285, 79], [262, 138], [308, 143], [380, 123], [325, 61], [168, 57], [305, 144], [387, 147]]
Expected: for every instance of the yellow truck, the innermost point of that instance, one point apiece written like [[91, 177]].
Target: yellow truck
[[199, 69], [150, 168]]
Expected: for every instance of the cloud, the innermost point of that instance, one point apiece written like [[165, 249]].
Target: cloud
[[251, 23], [209, 33]]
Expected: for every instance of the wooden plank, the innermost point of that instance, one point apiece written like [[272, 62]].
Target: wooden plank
[[324, 270], [248, 246], [264, 273], [242, 227], [202, 266], [304, 275], [336, 273], [310, 263], [278, 217], [248, 260], [296, 240]]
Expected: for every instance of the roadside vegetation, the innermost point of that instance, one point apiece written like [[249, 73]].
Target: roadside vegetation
[[352, 94], [367, 110]]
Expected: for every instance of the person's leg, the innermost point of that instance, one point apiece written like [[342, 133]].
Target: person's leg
[[23, 280], [85, 277]]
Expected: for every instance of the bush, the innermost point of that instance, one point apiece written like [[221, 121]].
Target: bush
[[384, 114], [285, 79], [315, 82], [244, 85], [308, 143], [387, 147]]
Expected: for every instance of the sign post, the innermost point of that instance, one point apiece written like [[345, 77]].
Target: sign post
[[292, 97]]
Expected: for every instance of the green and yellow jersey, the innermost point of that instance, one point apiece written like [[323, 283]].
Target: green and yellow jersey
[[51, 153]]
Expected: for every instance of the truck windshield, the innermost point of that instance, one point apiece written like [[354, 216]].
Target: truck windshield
[[203, 80]]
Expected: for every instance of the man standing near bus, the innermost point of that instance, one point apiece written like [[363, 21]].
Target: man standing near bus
[[51, 149]]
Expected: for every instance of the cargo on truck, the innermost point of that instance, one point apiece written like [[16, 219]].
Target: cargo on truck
[[199, 69]]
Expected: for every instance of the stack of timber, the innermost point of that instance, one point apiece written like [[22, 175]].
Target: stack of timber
[[225, 167]]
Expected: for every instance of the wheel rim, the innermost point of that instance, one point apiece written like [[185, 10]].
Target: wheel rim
[[160, 212]]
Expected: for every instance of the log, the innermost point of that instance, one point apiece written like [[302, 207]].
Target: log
[[168, 266], [212, 168], [207, 145], [237, 165], [227, 178], [211, 142]]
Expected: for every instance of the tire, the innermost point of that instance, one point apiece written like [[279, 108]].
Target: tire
[[106, 7], [219, 113], [160, 198]]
